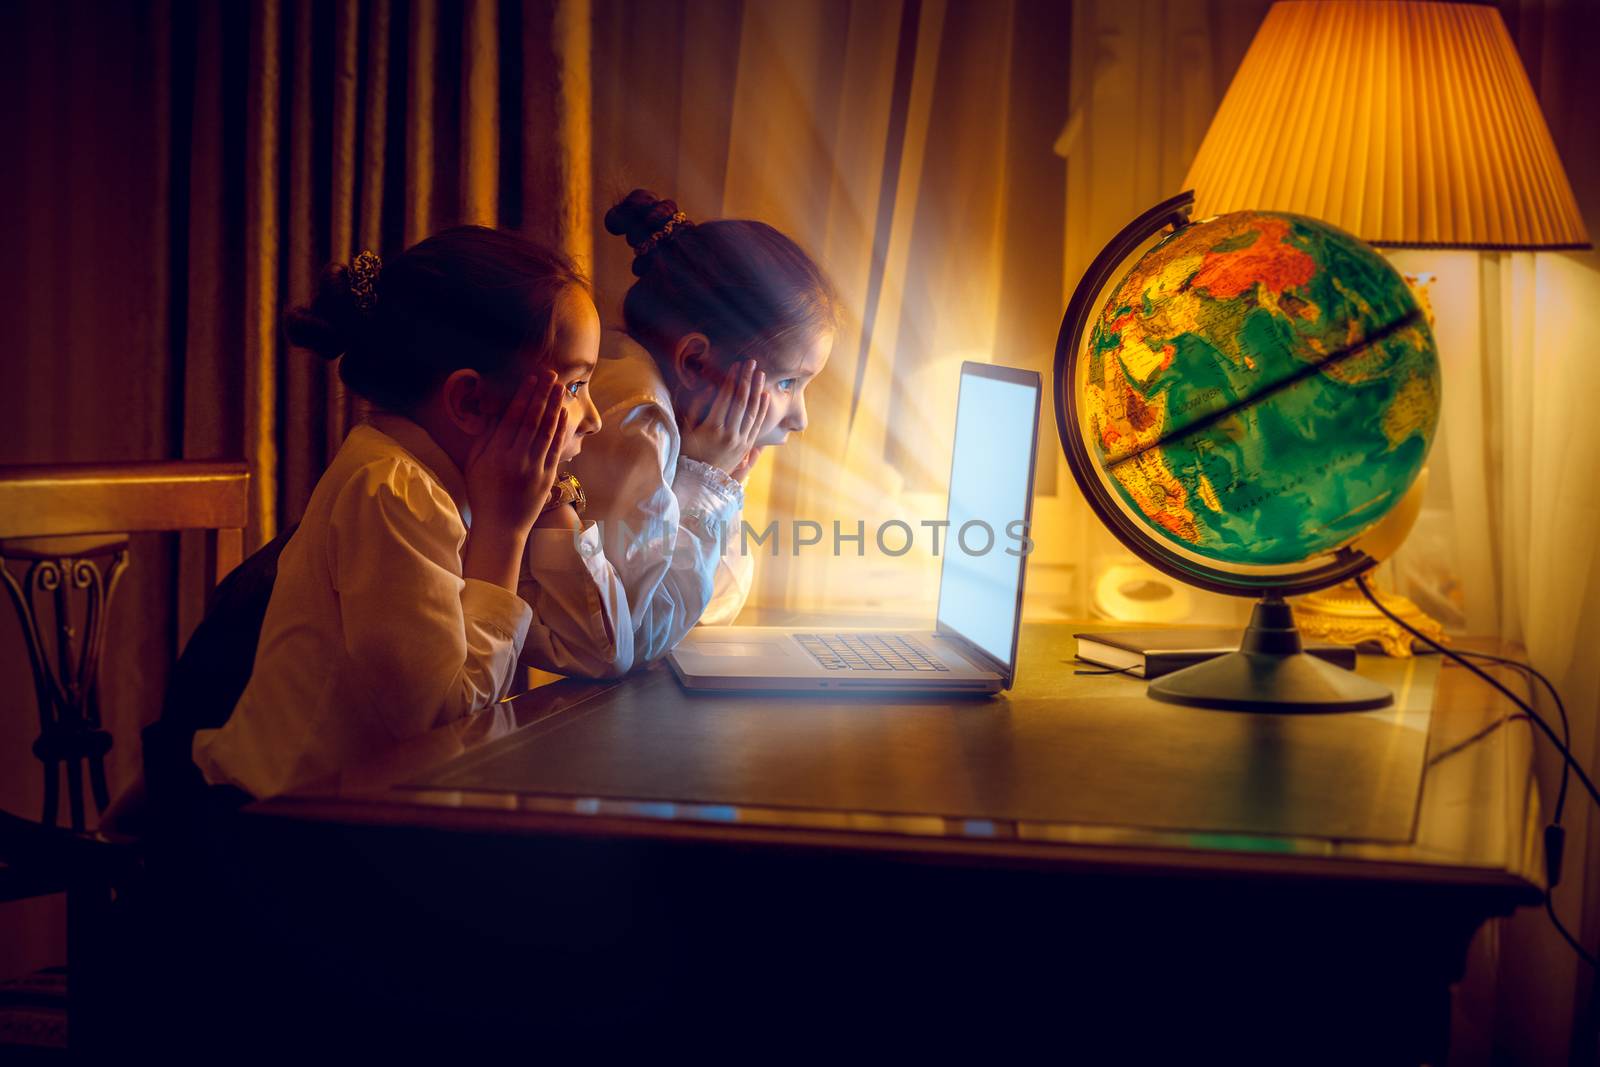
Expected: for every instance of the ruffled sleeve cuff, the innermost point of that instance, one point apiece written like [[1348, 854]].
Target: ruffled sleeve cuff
[[707, 494]]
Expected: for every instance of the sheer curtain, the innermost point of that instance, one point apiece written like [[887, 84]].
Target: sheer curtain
[[781, 112], [1549, 580], [909, 146], [1506, 544]]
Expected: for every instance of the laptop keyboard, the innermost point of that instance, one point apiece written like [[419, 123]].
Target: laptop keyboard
[[867, 652]]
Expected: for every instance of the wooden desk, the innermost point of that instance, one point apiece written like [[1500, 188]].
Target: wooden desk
[[1069, 857]]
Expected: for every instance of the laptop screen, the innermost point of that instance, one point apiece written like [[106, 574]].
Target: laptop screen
[[991, 488]]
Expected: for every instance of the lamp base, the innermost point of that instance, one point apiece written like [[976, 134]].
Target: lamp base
[[1271, 673], [1342, 615]]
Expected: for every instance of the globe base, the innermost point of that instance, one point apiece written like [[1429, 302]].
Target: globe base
[[1271, 673]]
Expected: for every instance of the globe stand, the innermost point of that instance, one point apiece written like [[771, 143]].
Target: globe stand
[[1271, 672]]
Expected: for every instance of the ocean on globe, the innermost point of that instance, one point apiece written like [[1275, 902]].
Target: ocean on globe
[[1233, 395]]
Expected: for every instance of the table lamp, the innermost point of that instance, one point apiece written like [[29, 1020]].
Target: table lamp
[[1410, 125]]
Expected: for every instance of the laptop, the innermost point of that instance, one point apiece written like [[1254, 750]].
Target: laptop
[[973, 645]]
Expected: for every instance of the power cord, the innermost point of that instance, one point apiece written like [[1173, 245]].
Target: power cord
[[1463, 745], [1554, 835], [1097, 669]]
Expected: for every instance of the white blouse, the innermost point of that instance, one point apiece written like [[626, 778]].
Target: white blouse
[[670, 525], [372, 634]]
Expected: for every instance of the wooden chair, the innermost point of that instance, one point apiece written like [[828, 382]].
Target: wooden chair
[[64, 533]]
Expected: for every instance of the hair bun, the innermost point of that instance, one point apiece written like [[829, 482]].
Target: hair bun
[[644, 221], [331, 324]]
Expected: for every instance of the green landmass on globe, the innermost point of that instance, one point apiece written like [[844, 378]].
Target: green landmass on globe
[[1267, 320]]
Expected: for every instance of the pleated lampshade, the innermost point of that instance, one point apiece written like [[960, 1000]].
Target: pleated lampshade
[[1405, 123]]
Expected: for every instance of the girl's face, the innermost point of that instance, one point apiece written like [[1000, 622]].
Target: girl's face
[[789, 371], [573, 358]]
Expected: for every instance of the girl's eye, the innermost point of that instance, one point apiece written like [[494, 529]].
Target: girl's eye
[[574, 387], [786, 386]]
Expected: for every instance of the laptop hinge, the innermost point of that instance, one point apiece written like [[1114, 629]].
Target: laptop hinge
[[973, 652]]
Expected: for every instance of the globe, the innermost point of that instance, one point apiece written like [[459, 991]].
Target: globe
[[1251, 395]]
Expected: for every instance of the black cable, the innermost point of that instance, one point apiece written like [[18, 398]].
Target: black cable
[[1107, 670], [1583, 953], [1537, 719], [1566, 724], [1461, 746], [1554, 835]]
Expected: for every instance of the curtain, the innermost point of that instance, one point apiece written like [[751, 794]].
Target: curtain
[[85, 345], [938, 158], [1505, 545], [178, 173], [909, 147], [1506, 540], [1548, 557], [1550, 326], [360, 125], [776, 112]]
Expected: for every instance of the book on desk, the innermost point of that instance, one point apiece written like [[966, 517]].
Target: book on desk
[[1152, 653]]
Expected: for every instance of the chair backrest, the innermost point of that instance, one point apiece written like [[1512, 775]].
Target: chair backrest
[[68, 527], [208, 679]]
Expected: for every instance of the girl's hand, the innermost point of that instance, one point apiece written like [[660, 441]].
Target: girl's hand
[[724, 428], [512, 468]]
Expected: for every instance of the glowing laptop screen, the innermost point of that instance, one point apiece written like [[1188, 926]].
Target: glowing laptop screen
[[990, 481]]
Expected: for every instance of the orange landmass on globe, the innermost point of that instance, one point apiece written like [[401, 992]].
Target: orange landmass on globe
[[1125, 420], [1268, 261], [1182, 283]]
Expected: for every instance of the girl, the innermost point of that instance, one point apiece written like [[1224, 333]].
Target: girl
[[437, 549], [728, 323]]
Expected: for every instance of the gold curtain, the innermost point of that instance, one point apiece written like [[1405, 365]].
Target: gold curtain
[[178, 172], [317, 129], [86, 356]]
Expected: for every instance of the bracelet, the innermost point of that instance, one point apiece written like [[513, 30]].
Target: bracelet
[[567, 490]]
